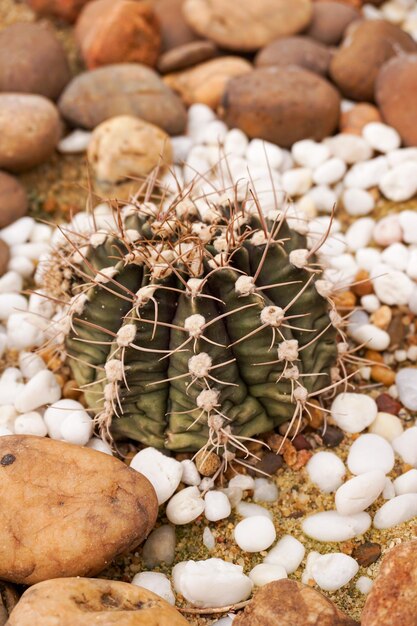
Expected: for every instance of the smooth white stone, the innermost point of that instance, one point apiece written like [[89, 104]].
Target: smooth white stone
[[57, 413], [307, 577], [185, 506], [329, 172], [264, 153], [396, 511], [412, 301], [408, 223], [370, 303], [373, 337], [21, 332], [350, 148], [30, 364], [367, 258], [395, 157], [199, 115], [364, 584], [297, 182], [209, 539], [248, 509], [21, 266], [324, 198], [387, 426], [206, 484], [5, 432], [309, 153], [31, 251], [235, 495], [406, 382], [358, 201], [190, 475], [217, 506], [8, 415], [42, 389], [359, 492], [163, 472], [406, 446], [353, 412], [156, 582], [11, 303], [381, 137], [255, 533], [99, 445], [235, 142], [288, 552], [244, 481], [411, 268], [211, 583], [400, 183], [333, 571], [11, 282], [335, 245], [76, 142], [181, 147], [389, 489], [41, 233], [359, 234], [367, 173], [326, 470], [391, 286], [30, 424], [287, 161], [406, 483], [370, 452], [265, 490], [388, 230], [77, 428], [396, 255], [265, 573], [213, 133], [331, 526], [18, 232]]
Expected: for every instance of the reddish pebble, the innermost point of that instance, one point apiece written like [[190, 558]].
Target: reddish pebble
[[386, 404]]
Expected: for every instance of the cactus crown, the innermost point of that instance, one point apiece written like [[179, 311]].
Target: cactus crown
[[195, 323]]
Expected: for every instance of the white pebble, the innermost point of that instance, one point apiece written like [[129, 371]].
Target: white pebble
[[367, 173], [209, 539], [400, 156], [324, 198], [235, 495], [18, 232], [358, 201], [331, 526], [265, 573], [264, 153], [364, 584], [57, 413], [326, 470], [412, 301], [255, 533], [396, 511], [11, 303], [198, 116], [11, 386], [265, 490], [41, 233], [391, 286], [74, 143], [406, 446], [8, 415], [21, 265], [408, 223], [211, 583], [190, 475], [11, 282], [388, 230], [30, 424], [163, 472], [307, 577], [350, 148], [389, 489], [99, 445], [181, 147], [359, 234], [309, 153], [157, 583], [330, 172], [411, 268], [297, 182], [387, 426], [248, 509], [77, 428], [358, 493], [22, 334], [42, 389], [371, 336], [367, 258], [381, 137], [235, 142], [185, 506], [244, 481], [213, 133], [396, 255], [217, 506], [400, 183], [370, 452], [333, 571], [288, 552], [406, 483], [353, 412], [30, 364], [370, 303]]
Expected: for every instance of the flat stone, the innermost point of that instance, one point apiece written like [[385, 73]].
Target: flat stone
[[187, 55]]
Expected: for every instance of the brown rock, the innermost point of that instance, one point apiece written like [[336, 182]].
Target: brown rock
[[367, 553], [35, 131], [174, 29], [13, 200], [207, 463], [68, 526], [289, 603], [122, 89], [332, 436], [393, 597], [206, 82], [65, 9], [187, 55], [9, 597], [246, 25], [86, 601], [282, 105], [4, 257], [358, 116], [118, 32], [366, 47], [127, 147], [32, 60], [387, 404], [330, 20], [300, 51], [395, 94], [270, 463]]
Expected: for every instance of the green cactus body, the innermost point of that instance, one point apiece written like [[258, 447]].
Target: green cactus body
[[192, 334]]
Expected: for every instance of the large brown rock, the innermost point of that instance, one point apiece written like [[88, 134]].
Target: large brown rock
[[88, 601], [187, 55], [32, 60], [13, 200], [330, 20], [289, 603], [207, 81], [125, 31], [396, 96], [282, 105], [393, 597], [122, 89], [30, 128], [366, 47], [246, 25], [81, 509], [301, 51], [174, 29], [64, 9]]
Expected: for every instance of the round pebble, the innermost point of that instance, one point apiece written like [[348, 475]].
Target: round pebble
[[406, 483], [265, 490], [163, 472], [217, 506], [156, 582], [359, 492], [387, 426], [326, 470], [358, 201], [309, 153], [265, 573], [370, 452], [396, 511], [367, 173], [370, 336], [255, 533], [249, 509], [353, 412], [364, 584], [330, 172], [288, 552], [391, 286], [30, 424], [381, 137], [331, 526], [406, 382], [185, 506], [400, 183], [388, 230], [333, 571], [406, 446]]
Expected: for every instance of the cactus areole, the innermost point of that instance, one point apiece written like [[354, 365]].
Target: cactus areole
[[192, 329]]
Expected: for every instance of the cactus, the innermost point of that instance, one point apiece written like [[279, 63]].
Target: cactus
[[195, 324]]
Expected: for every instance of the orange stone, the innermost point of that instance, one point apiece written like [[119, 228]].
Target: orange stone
[[382, 374], [64, 9], [363, 286], [357, 117]]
